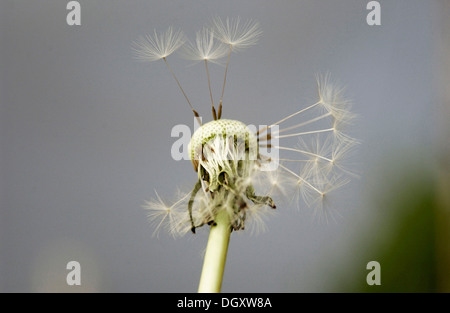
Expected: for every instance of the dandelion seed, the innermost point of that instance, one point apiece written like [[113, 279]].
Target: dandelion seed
[[159, 46], [163, 215], [322, 206], [332, 100], [206, 47], [257, 216], [240, 35]]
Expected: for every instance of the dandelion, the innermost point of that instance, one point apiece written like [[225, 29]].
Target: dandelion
[[234, 188]]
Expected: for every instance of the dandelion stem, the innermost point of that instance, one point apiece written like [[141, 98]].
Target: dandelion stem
[[216, 254], [224, 81], [184, 94]]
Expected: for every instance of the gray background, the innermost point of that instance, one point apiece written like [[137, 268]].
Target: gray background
[[85, 135]]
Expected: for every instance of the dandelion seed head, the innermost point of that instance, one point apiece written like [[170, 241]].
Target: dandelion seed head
[[226, 154], [226, 150]]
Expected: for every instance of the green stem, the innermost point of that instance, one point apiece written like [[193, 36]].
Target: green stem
[[216, 254]]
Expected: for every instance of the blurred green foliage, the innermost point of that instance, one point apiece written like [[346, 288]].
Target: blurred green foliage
[[405, 240]]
